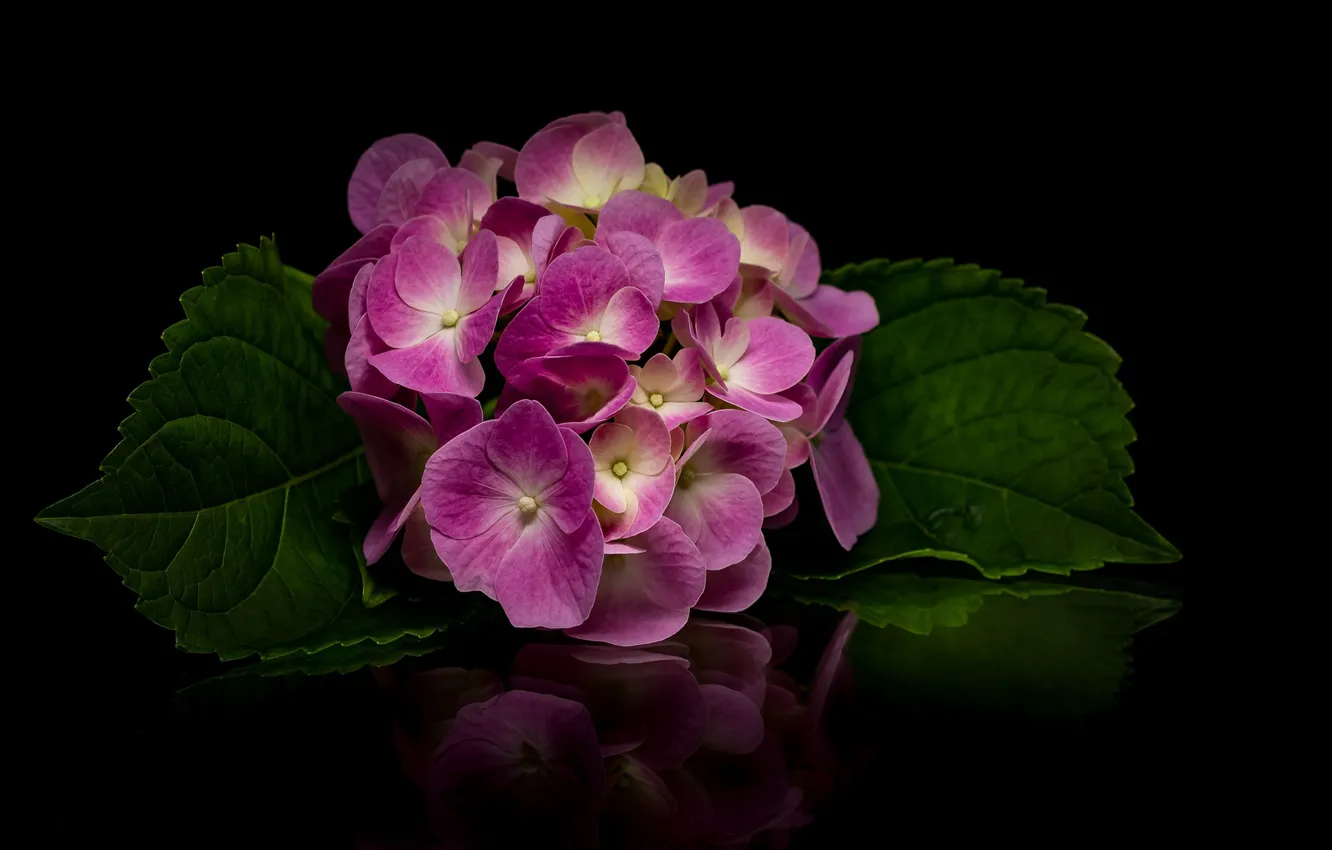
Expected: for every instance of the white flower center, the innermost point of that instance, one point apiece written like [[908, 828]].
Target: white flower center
[[620, 469], [656, 400], [449, 318], [593, 336], [527, 504]]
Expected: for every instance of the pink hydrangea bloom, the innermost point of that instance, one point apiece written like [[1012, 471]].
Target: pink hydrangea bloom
[[579, 390], [635, 471], [509, 504], [673, 388]]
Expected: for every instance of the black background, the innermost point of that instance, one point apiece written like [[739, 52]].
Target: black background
[[1081, 190]]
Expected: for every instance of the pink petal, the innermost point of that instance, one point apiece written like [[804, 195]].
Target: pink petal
[[377, 165], [576, 288], [515, 219], [677, 413], [579, 390], [846, 484], [432, 366], [475, 330], [629, 322], [785, 518], [780, 497], [528, 338], [738, 442], [356, 297], [363, 377], [427, 276], [717, 192], [764, 244], [831, 312], [638, 212], [605, 161], [682, 326], [552, 237], [832, 393], [691, 192], [331, 286], [397, 443], [808, 421], [545, 166], [418, 550], [800, 273], [619, 547], [507, 156], [456, 196], [797, 444], [700, 257], [722, 514], [549, 578], [474, 561], [650, 495], [643, 598], [463, 493], [689, 381], [431, 228], [735, 724], [480, 273], [451, 415], [569, 497], [640, 260], [394, 320], [402, 192], [526, 446], [650, 450], [739, 585], [772, 407], [777, 357], [487, 168], [731, 345], [823, 367], [755, 299]]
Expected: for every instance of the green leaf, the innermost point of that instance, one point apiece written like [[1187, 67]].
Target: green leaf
[[217, 507], [984, 647], [994, 425]]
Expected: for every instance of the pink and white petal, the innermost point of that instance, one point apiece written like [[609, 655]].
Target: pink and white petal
[[515, 295], [741, 443], [637, 212], [641, 261], [398, 202], [740, 585], [432, 366], [657, 375], [363, 377], [552, 237], [777, 357], [735, 724], [608, 491], [528, 338], [457, 196], [765, 239], [649, 451], [728, 213], [431, 228], [800, 274], [451, 415], [717, 193], [772, 407], [576, 288], [644, 598], [619, 547], [514, 218], [629, 322], [476, 329], [527, 447], [461, 490], [756, 299], [397, 442], [549, 578], [614, 525], [677, 444], [475, 561], [784, 518], [846, 484], [831, 312], [569, 497], [700, 257], [722, 513], [394, 320], [427, 276], [652, 493], [606, 161], [377, 165], [780, 497], [689, 382], [544, 169], [418, 550], [507, 156], [610, 443], [480, 273], [732, 344], [677, 413], [691, 192], [485, 167], [797, 444]]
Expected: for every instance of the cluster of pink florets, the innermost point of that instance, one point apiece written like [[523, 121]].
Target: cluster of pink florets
[[599, 262]]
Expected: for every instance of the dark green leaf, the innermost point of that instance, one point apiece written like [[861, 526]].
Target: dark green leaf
[[217, 507], [995, 427]]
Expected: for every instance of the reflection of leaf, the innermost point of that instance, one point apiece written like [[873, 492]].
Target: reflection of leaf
[[994, 425], [1029, 647], [217, 505]]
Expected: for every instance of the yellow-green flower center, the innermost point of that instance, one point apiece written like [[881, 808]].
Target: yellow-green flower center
[[687, 477], [723, 372], [656, 399], [527, 504], [593, 336], [620, 469], [449, 318]]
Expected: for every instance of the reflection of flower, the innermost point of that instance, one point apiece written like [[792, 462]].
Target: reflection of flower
[[692, 742]]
